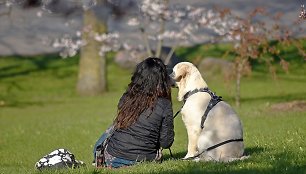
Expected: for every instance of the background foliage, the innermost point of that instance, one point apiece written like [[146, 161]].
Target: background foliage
[[40, 111]]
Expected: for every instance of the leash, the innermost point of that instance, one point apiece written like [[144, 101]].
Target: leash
[[173, 118], [177, 112], [214, 146]]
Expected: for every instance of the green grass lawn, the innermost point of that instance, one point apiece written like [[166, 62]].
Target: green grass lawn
[[40, 112]]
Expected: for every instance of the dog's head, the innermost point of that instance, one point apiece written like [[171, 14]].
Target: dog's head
[[180, 73], [186, 77]]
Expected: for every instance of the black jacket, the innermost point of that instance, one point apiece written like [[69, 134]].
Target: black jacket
[[141, 140]]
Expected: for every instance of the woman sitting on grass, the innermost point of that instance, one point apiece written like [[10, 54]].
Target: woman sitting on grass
[[144, 123]]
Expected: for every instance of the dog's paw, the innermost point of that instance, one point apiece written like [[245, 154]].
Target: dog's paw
[[244, 157], [185, 158], [196, 159], [188, 157]]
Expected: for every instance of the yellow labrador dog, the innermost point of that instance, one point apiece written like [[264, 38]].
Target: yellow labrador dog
[[214, 129]]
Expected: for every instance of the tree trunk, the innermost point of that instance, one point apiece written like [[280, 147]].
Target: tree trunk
[[92, 67], [239, 71], [161, 31], [238, 79]]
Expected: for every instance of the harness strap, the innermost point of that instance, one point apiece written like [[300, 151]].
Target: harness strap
[[188, 94], [213, 101]]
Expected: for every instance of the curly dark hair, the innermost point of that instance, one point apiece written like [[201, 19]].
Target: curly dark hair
[[149, 82]]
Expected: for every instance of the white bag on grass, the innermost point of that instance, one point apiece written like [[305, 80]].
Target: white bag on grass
[[59, 158]]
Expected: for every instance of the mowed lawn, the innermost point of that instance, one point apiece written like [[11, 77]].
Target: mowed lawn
[[40, 112]]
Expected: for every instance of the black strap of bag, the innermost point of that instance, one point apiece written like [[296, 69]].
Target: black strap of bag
[[100, 158]]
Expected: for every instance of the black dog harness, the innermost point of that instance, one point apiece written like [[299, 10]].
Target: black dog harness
[[213, 101]]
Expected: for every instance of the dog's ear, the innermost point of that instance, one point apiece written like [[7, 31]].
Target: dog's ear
[[179, 78], [182, 72]]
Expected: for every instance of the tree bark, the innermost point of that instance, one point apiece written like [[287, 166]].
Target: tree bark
[[238, 79], [92, 67], [161, 31], [239, 72]]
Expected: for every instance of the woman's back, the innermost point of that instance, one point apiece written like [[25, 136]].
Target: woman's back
[[144, 122]]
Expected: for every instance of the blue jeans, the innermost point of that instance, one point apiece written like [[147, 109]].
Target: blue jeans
[[116, 162]]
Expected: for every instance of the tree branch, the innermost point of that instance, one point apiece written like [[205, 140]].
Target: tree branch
[[161, 31], [167, 60], [145, 39], [8, 13]]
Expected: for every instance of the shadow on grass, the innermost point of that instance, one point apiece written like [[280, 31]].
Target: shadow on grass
[[35, 64], [176, 155], [276, 98], [269, 98], [23, 104], [253, 150], [284, 162], [179, 155], [187, 52], [203, 50]]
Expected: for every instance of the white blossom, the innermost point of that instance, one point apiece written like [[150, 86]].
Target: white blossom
[[173, 35], [39, 13], [210, 14], [153, 9], [8, 3], [195, 12], [151, 37], [87, 4], [78, 33], [133, 22], [68, 46], [188, 29], [87, 28], [109, 42], [127, 46], [186, 22], [203, 20]]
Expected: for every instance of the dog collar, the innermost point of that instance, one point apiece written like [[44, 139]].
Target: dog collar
[[189, 93]]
